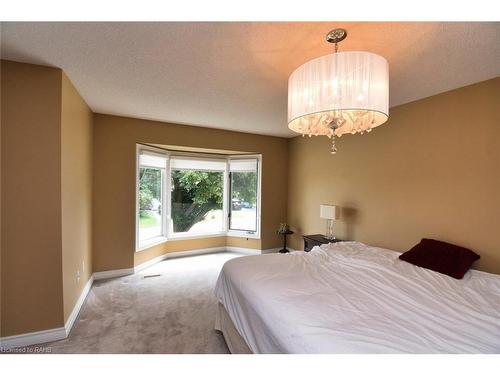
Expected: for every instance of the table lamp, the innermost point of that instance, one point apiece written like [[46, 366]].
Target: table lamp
[[330, 213]]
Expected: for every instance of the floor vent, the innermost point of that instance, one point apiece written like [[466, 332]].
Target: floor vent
[[149, 276]]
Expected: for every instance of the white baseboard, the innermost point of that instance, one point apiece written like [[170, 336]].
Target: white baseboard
[[32, 338], [79, 303], [177, 254], [243, 250], [113, 273], [149, 263], [48, 335]]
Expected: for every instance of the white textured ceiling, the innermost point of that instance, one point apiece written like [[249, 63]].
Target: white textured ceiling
[[234, 75]]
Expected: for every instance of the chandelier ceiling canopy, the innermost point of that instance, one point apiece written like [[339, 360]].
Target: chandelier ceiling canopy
[[340, 93]]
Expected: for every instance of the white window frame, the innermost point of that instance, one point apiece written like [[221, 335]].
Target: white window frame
[[141, 245], [167, 225], [244, 233]]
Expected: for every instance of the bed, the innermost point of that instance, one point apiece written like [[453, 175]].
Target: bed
[[348, 297]]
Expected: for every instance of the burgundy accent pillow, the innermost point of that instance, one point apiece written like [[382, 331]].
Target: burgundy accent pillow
[[439, 256]]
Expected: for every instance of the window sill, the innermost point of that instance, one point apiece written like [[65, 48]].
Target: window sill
[[192, 236], [253, 236], [146, 244]]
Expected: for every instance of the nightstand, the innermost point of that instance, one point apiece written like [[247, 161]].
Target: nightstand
[[312, 240]]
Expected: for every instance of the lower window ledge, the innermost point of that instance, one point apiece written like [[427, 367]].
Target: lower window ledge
[[251, 236], [149, 243], [181, 237], [146, 244]]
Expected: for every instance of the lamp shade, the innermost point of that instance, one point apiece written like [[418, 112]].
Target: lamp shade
[[328, 212], [344, 92]]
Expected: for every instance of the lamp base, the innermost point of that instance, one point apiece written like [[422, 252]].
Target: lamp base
[[329, 230]]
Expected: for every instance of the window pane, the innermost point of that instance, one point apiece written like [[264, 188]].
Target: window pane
[[197, 198], [243, 200], [150, 203]]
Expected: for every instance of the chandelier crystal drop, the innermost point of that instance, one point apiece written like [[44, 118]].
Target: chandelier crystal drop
[[340, 93]]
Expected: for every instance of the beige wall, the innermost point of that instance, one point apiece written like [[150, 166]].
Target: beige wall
[[76, 193], [250, 243], [114, 184], [31, 198], [433, 170], [46, 197]]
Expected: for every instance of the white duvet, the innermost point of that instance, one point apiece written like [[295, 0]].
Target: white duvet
[[352, 298]]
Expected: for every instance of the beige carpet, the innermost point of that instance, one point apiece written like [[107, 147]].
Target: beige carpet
[[171, 313]]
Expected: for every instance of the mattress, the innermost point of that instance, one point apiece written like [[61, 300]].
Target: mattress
[[234, 341], [348, 297]]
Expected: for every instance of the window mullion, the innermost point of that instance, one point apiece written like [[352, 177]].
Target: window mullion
[[229, 200], [168, 198], [225, 195]]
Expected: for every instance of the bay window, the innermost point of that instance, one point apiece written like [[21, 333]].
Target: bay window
[[185, 196]]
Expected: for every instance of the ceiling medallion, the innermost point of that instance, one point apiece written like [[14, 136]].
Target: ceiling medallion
[[340, 93]]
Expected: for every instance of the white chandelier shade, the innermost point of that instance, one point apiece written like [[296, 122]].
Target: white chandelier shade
[[340, 93]]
